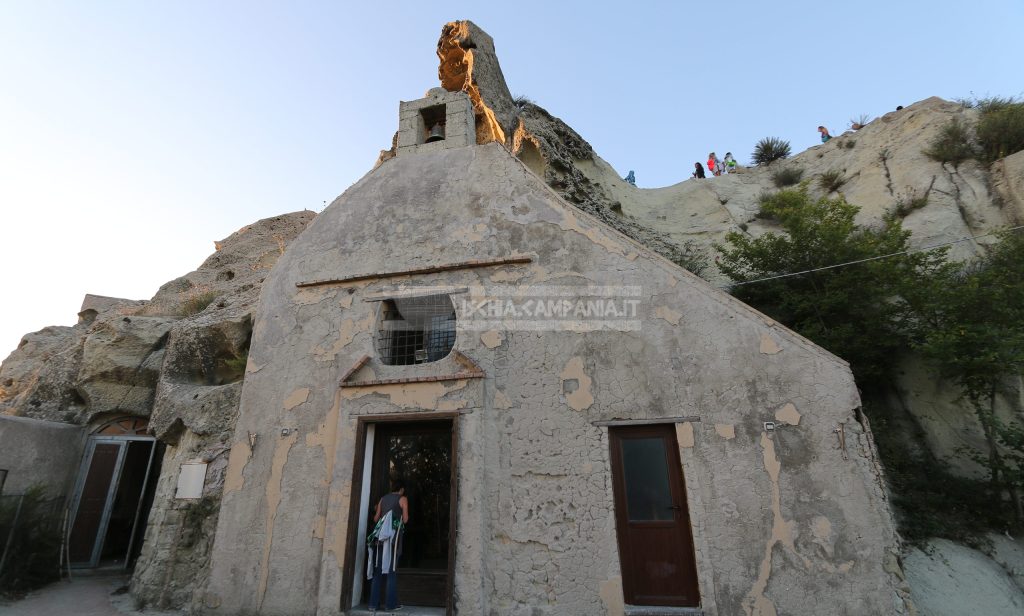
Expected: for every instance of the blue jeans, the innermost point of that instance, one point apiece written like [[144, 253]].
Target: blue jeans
[[392, 591]]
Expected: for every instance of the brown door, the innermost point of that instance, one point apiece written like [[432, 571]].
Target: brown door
[[655, 544], [420, 453], [92, 504]]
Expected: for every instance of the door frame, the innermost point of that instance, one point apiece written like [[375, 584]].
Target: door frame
[[356, 499], [621, 514], [115, 480]]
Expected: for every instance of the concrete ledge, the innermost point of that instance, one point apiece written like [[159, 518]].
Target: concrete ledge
[[657, 610]]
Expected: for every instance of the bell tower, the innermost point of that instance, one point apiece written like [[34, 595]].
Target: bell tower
[[439, 121]]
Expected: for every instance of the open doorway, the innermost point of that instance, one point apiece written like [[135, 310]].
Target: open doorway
[[422, 454], [112, 495]]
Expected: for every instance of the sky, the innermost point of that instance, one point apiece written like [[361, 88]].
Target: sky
[[135, 134]]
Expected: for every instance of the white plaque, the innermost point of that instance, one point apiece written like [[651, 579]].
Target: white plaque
[[191, 479]]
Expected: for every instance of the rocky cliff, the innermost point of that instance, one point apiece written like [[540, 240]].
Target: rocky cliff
[[179, 358]]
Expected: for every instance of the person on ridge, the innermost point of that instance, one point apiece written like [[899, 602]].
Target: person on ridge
[[699, 171], [384, 545], [824, 134], [730, 163], [630, 178], [714, 164]]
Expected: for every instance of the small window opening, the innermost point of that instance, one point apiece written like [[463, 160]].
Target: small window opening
[[433, 123], [416, 330]]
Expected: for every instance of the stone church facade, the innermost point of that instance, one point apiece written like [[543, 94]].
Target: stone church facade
[[584, 427]]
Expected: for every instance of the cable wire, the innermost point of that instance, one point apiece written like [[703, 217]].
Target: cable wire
[[894, 254]]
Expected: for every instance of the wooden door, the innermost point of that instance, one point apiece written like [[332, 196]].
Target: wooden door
[[653, 524]]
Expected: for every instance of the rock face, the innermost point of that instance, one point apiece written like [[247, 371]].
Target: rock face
[[181, 357], [177, 359], [948, 579]]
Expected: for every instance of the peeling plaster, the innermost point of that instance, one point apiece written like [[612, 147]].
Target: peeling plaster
[[237, 459], [726, 431], [469, 233], [326, 437], [319, 527], [308, 296], [297, 397], [414, 395], [273, 493], [571, 223], [581, 398], [768, 345], [346, 334], [684, 434], [511, 275], [788, 414], [492, 338], [611, 595], [501, 401], [667, 314], [756, 603]]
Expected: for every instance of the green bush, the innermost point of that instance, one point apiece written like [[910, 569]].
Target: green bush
[[787, 176], [929, 500], [1000, 129], [33, 558], [953, 144], [196, 303], [768, 150], [832, 180], [908, 202]]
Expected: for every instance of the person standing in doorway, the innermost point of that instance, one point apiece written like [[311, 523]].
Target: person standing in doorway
[[384, 545]]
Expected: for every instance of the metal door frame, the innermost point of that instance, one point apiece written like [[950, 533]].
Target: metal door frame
[[115, 480]]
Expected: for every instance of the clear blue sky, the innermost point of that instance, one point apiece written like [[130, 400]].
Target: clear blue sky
[[134, 134]]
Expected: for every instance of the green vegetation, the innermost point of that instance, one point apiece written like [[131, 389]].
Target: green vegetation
[[998, 133], [691, 257], [953, 144], [968, 322], [971, 325], [34, 555], [1000, 130], [851, 311], [831, 180], [196, 303], [908, 202], [769, 150], [787, 176]]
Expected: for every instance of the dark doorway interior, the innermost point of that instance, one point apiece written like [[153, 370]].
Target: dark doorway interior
[[112, 498], [420, 453]]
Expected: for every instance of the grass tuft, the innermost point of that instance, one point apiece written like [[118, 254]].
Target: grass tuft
[[832, 180], [787, 176]]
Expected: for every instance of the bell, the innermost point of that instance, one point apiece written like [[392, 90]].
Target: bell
[[436, 133]]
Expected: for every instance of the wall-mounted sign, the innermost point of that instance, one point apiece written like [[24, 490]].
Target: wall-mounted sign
[[191, 479]]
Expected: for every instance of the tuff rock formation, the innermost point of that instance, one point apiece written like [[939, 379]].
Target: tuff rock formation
[[180, 357]]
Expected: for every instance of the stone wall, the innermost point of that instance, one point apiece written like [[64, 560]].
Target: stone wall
[[37, 452], [792, 520]]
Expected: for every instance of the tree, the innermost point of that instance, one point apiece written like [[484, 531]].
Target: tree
[[855, 311], [973, 330]]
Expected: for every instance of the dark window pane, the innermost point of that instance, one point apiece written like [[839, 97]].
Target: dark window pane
[[645, 470]]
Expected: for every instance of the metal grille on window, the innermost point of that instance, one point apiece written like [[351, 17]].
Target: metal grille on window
[[416, 330]]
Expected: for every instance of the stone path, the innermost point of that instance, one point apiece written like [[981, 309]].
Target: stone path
[[90, 595]]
